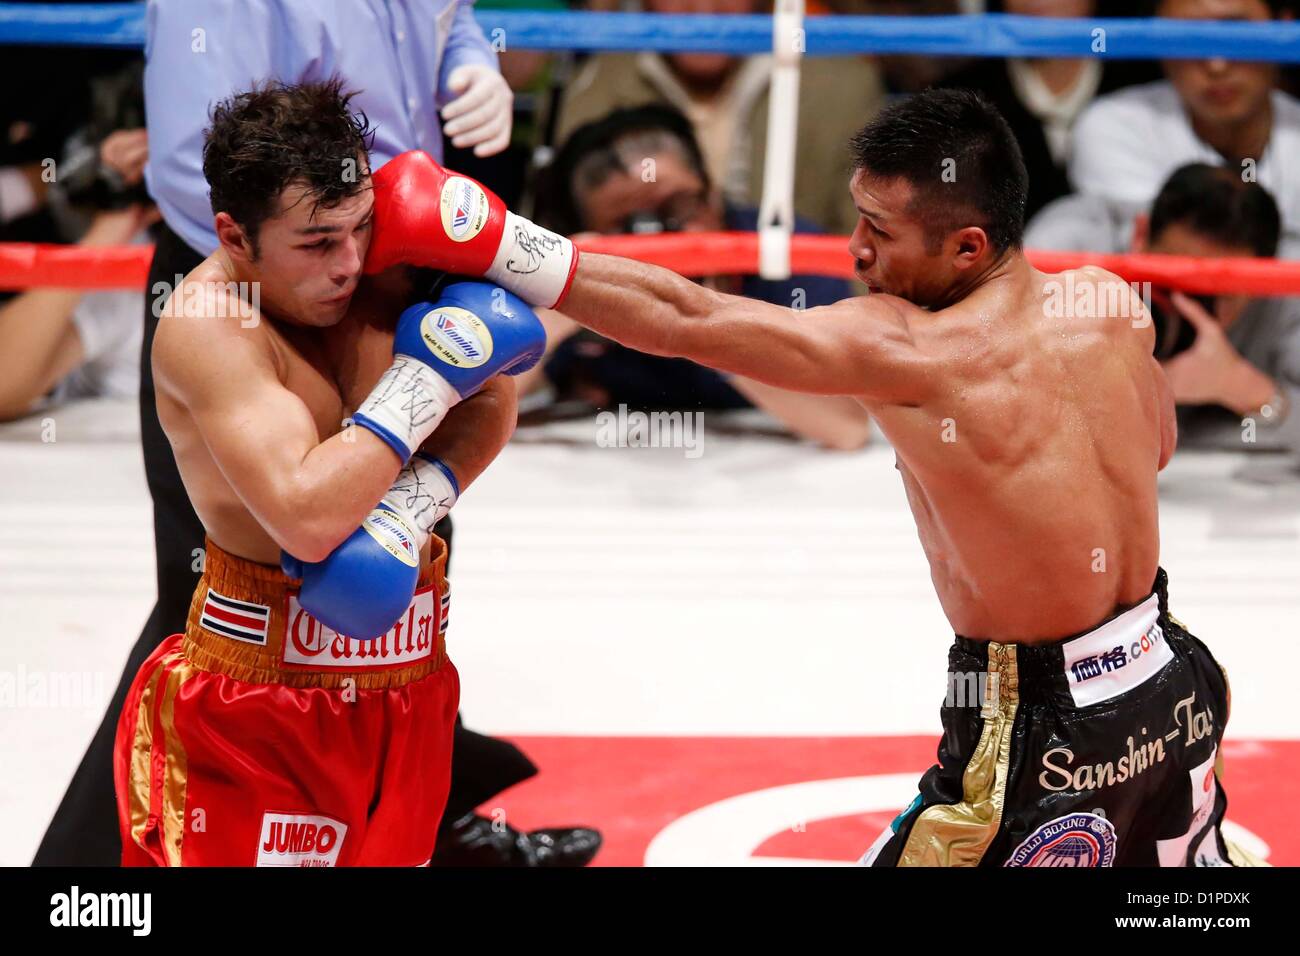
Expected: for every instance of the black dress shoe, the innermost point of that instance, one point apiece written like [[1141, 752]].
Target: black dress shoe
[[473, 840]]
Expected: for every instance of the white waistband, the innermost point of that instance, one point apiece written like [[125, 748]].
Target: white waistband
[[1118, 656]]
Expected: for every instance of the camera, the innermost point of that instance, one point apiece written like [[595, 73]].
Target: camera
[[647, 224], [1174, 334], [117, 103]]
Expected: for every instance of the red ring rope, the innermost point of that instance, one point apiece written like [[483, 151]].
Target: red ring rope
[[26, 265]]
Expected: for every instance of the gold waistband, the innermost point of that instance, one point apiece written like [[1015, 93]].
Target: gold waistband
[[267, 639]]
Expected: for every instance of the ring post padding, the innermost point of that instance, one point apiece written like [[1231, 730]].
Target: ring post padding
[[776, 211]]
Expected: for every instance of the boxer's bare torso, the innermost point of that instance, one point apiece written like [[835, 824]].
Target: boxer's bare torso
[[329, 371], [1028, 443], [1030, 464]]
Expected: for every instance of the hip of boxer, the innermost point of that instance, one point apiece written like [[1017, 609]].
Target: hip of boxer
[[260, 737], [1096, 750]]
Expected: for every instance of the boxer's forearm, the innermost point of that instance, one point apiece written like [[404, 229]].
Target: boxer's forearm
[[344, 476], [475, 431], [310, 508], [644, 307], [853, 347]]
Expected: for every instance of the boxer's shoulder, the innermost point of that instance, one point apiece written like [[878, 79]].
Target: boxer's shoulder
[[1118, 313], [1097, 307], [210, 323]]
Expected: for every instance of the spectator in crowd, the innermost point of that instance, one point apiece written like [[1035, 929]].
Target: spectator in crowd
[[1216, 111], [38, 118], [64, 344], [1228, 358], [726, 97], [1043, 98], [908, 72], [641, 171]]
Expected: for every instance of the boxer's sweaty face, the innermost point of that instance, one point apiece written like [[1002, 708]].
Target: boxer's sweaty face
[[310, 256], [889, 243]]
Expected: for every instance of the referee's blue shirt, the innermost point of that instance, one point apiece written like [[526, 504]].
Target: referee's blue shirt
[[397, 53]]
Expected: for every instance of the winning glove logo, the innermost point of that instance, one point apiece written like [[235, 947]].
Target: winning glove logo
[[394, 535], [458, 337], [464, 209]]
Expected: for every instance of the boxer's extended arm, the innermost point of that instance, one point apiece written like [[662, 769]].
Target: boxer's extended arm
[[861, 347], [308, 494]]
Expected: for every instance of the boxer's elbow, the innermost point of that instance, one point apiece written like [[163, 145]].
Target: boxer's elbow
[[309, 542], [316, 550], [308, 531], [1169, 444], [504, 399]]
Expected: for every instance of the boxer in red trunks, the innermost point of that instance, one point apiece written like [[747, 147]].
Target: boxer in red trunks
[[305, 717]]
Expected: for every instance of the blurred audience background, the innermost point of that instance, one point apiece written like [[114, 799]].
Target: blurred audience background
[[1122, 156], [71, 171]]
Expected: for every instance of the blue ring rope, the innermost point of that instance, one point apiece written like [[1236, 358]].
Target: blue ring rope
[[122, 25]]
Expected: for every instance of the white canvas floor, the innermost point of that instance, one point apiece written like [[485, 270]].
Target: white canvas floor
[[762, 588]]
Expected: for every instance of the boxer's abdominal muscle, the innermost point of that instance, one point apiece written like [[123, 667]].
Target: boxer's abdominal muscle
[[1032, 479]]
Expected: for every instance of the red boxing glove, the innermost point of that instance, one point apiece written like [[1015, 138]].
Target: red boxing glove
[[426, 215]]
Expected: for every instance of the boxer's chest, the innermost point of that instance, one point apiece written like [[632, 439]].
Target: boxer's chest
[[333, 371]]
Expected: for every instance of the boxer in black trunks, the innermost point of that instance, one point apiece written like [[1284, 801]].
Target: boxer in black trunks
[[1030, 421]]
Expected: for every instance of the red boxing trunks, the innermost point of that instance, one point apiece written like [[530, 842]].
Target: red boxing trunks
[[259, 737]]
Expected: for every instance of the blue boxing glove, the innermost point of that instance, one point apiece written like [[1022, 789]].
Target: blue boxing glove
[[445, 352], [367, 582]]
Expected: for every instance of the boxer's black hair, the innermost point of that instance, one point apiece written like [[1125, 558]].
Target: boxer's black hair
[[961, 159], [276, 134], [1214, 201]]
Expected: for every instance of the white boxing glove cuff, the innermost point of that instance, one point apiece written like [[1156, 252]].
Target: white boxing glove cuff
[[534, 263], [406, 406], [425, 490]]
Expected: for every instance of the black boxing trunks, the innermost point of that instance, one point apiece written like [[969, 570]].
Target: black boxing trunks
[[1095, 750]]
